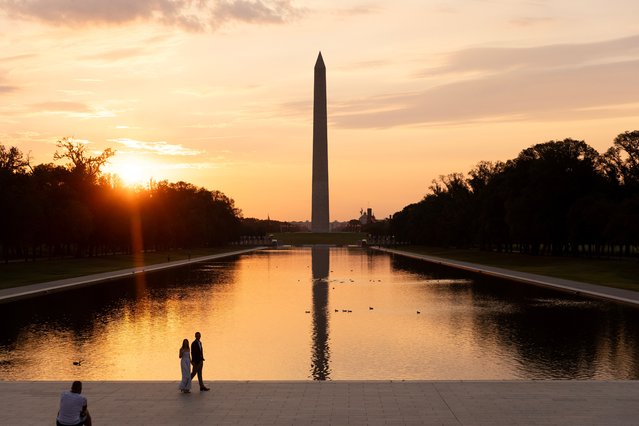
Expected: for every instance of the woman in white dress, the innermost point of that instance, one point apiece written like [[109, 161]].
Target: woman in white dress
[[185, 365]]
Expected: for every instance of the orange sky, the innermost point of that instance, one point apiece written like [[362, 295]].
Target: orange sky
[[219, 93]]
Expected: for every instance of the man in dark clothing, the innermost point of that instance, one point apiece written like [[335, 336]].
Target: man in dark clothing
[[197, 357], [73, 408]]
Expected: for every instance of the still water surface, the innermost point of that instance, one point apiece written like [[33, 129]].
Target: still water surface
[[299, 314]]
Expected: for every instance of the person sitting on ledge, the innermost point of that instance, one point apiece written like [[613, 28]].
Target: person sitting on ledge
[[73, 408]]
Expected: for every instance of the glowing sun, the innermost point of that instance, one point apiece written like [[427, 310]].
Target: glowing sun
[[132, 171]]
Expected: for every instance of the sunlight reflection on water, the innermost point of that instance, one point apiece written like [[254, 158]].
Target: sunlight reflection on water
[[301, 314]]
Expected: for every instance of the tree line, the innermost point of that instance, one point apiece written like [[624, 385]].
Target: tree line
[[49, 210], [555, 198]]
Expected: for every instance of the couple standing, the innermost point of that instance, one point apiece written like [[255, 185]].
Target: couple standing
[[196, 357]]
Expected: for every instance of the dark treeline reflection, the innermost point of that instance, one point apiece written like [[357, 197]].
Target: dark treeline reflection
[[559, 197], [50, 210], [84, 310], [550, 334]]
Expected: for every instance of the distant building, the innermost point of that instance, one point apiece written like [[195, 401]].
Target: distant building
[[300, 225], [367, 218]]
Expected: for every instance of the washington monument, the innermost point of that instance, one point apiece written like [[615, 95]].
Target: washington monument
[[319, 214]]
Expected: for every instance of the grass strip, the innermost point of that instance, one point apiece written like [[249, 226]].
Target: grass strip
[[15, 274], [618, 273]]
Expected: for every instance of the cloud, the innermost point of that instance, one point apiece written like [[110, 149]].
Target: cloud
[[117, 54], [159, 148], [255, 11], [6, 59], [194, 15], [62, 107], [362, 9], [367, 65], [208, 91], [7, 89], [530, 21], [64, 12], [543, 57], [550, 83], [69, 109], [446, 8], [197, 166]]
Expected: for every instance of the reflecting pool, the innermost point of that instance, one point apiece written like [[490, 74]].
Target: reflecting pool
[[318, 314]]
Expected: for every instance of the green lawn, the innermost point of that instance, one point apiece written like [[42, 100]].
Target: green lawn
[[16, 274], [337, 238], [613, 273]]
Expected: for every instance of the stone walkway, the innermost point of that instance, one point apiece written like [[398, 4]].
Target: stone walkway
[[333, 403], [592, 290], [22, 292]]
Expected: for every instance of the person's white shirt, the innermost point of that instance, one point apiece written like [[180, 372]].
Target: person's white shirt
[[71, 405]]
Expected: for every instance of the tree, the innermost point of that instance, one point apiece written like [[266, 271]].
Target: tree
[[12, 160], [14, 196], [487, 184], [621, 161], [81, 163], [442, 218], [67, 210], [548, 178], [554, 198], [51, 188]]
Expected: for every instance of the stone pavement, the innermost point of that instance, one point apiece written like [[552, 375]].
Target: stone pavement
[[22, 292], [334, 403], [617, 294]]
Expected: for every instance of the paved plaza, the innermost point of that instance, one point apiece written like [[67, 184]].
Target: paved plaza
[[334, 403]]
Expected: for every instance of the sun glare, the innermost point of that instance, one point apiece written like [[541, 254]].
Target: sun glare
[[132, 171]]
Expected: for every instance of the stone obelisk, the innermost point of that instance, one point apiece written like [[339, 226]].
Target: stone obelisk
[[319, 214]]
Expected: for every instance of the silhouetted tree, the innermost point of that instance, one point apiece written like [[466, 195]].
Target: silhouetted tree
[[13, 161], [489, 197], [14, 201], [621, 161], [554, 198], [51, 210], [80, 162]]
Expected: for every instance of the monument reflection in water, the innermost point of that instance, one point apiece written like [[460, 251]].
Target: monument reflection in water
[[318, 314], [320, 259]]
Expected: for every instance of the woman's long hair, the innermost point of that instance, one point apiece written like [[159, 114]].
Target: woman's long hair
[[185, 344]]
